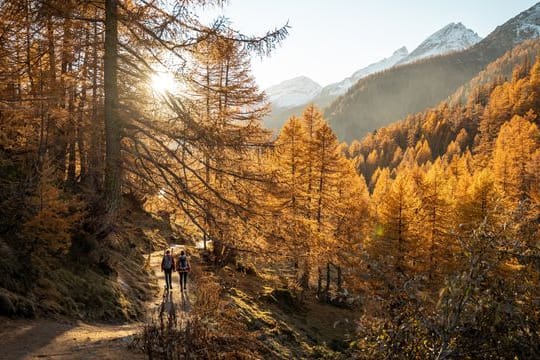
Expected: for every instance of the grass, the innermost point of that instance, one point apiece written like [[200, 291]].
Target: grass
[[104, 281], [291, 330]]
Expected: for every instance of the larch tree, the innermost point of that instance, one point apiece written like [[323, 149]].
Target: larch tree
[[394, 243], [163, 153], [423, 152], [381, 187], [435, 222], [229, 104], [312, 120], [290, 163], [327, 166], [514, 147], [477, 202], [113, 126]]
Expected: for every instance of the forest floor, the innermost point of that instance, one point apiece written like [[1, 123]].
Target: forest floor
[[312, 330], [22, 339]]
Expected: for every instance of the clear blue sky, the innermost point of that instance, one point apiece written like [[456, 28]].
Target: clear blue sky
[[330, 39]]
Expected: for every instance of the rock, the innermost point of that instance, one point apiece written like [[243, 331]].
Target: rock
[[6, 305], [283, 298], [248, 269]]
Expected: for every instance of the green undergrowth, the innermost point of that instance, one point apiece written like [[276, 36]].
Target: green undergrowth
[[289, 328]]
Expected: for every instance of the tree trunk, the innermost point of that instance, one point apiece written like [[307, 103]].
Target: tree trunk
[[304, 280], [319, 283], [207, 210], [95, 150], [339, 279], [113, 161], [81, 122], [327, 290], [72, 139]]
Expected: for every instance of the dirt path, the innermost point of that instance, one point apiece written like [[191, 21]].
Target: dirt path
[[174, 299], [49, 339]]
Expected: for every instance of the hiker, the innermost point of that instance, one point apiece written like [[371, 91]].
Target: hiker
[[183, 269], [167, 266]]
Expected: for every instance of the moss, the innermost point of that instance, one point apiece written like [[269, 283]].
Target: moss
[[322, 352], [13, 272], [251, 310], [290, 329]]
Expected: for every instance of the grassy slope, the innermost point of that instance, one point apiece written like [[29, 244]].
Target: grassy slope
[[108, 283], [289, 330]]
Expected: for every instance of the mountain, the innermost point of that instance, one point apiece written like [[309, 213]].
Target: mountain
[[452, 37], [384, 97], [341, 87], [454, 124], [293, 92], [524, 26], [291, 96]]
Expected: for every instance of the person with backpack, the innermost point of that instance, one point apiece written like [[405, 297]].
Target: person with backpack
[[167, 266], [183, 268]]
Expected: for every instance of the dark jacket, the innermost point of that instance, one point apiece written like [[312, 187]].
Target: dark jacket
[[173, 265]]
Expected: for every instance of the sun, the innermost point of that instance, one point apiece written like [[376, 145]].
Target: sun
[[163, 82]]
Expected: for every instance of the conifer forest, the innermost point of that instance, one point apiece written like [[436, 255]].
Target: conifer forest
[[128, 127]]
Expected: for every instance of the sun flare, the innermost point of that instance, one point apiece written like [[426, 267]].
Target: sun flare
[[163, 82]]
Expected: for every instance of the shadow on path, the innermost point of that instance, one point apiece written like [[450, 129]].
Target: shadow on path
[[20, 342]]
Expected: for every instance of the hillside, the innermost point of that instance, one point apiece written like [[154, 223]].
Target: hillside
[[451, 126], [254, 314], [100, 282], [379, 99]]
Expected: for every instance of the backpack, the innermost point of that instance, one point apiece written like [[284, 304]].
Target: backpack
[[183, 265], [167, 262]]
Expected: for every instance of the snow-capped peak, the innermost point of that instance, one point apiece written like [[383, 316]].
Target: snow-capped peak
[[341, 87], [527, 24], [293, 92], [402, 51], [452, 37], [302, 90]]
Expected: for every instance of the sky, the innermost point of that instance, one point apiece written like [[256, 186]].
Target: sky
[[331, 39]]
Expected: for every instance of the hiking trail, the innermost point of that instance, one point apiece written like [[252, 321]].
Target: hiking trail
[[22, 339]]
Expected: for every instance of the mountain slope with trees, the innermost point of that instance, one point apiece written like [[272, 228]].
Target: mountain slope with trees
[[380, 99], [452, 126], [420, 241], [449, 264], [472, 209]]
